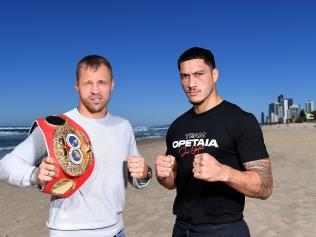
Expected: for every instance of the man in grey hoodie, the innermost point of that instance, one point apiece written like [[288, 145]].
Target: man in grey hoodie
[[95, 209]]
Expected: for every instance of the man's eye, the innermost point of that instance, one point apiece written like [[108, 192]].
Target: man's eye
[[87, 83]]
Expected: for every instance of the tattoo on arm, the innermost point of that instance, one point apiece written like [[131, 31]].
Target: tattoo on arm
[[263, 169]]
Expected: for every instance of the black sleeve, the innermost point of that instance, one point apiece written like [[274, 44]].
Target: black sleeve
[[250, 142]]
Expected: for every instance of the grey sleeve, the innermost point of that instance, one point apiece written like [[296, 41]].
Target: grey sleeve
[[17, 167]]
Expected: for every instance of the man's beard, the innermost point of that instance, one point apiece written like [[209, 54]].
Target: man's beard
[[91, 108]]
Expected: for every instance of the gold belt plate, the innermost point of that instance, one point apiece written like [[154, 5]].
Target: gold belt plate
[[62, 150]]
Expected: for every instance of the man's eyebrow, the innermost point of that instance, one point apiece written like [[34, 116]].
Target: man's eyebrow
[[197, 71], [184, 73]]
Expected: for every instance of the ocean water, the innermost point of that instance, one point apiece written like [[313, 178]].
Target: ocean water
[[11, 136]]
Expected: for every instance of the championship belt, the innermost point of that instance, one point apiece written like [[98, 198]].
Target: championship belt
[[70, 148]]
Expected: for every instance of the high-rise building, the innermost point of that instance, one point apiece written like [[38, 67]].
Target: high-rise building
[[285, 109], [279, 111], [290, 101], [294, 112], [309, 106], [271, 112], [280, 99], [262, 118], [275, 112]]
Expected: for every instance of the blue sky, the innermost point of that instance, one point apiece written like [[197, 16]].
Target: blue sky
[[262, 49]]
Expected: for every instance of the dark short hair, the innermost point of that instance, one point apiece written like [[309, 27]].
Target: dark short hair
[[93, 62], [198, 53]]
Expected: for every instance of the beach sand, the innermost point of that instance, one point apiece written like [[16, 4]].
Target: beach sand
[[290, 211]]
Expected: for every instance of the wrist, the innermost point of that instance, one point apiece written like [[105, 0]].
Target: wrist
[[142, 183], [225, 176], [33, 179], [147, 174], [161, 178]]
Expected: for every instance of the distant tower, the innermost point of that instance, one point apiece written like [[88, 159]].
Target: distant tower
[[280, 99], [285, 109], [262, 117], [290, 101], [271, 113], [284, 104], [309, 105], [294, 112], [275, 112]]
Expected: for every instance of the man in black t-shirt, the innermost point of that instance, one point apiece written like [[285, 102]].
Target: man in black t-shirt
[[215, 156]]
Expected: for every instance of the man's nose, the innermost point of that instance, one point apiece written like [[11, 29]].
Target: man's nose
[[192, 81], [94, 89]]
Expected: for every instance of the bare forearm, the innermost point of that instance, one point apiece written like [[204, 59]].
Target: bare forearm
[[255, 182], [247, 182], [167, 182]]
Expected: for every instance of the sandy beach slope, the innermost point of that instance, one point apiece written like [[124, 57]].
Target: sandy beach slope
[[290, 211]]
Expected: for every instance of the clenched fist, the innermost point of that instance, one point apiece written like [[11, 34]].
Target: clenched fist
[[165, 166], [206, 167], [47, 171], [137, 167]]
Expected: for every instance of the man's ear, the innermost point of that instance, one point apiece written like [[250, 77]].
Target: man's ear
[[113, 84], [76, 86], [215, 74]]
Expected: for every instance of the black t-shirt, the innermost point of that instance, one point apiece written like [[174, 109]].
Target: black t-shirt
[[233, 137]]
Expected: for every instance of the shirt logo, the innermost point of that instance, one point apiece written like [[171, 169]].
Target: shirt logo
[[194, 143]]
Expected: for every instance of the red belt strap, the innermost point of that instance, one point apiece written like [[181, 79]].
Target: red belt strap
[[70, 148]]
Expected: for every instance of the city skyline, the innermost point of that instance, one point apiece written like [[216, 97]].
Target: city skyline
[[285, 109]]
